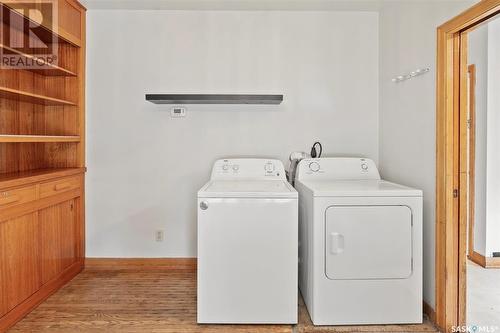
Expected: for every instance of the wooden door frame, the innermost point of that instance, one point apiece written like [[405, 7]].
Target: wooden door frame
[[451, 163], [471, 70]]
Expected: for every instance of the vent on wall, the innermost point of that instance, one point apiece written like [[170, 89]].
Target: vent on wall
[[213, 99]]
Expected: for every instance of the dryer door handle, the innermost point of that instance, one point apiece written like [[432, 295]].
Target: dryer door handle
[[336, 243]]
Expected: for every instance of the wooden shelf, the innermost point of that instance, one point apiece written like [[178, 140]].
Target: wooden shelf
[[14, 179], [47, 70], [6, 138], [24, 96], [214, 99]]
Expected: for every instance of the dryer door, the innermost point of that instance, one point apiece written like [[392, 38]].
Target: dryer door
[[368, 242]]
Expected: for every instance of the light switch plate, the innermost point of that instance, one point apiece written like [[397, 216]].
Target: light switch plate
[[178, 112]]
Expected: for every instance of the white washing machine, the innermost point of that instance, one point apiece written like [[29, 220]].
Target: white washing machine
[[360, 244], [247, 244]]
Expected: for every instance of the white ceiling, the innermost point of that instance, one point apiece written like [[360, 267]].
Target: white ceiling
[[337, 5], [355, 5]]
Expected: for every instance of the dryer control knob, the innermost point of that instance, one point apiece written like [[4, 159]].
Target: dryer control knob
[[314, 166], [225, 167], [204, 205]]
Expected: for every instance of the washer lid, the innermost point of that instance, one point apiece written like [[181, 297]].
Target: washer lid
[[247, 189], [359, 188]]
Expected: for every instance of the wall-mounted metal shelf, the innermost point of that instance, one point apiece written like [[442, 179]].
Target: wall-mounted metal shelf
[[213, 99]]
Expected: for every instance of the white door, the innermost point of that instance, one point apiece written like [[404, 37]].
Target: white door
[[247, 260], [368, 242]]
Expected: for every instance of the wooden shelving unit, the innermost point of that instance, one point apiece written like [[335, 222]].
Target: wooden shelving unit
[[13, 179], [24, 96], [42, 156], [65, 32], [5, 138], [47, 69]]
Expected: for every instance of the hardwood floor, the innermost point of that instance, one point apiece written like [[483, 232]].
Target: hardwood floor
[[151, 301]]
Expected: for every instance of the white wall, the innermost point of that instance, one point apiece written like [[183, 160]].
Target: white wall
[[484, 52], [493, 145], [144, 168], [478, 55], [408, 109]]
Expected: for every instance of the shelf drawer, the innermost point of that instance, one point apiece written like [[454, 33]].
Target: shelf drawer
[[59, 186], [11, 198]]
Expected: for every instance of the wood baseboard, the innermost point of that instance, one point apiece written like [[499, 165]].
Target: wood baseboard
[[429, 311], [493, 262], [21, 310], [140, 263], [486, 262], [477, 258]]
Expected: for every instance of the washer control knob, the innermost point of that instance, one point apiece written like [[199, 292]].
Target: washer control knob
[[225, 167], [314, 166], [236, 167], [364, 166], [204, 205], [269, 167]]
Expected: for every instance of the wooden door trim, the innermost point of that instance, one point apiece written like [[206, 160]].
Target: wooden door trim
[[471, 69], [450, 240]]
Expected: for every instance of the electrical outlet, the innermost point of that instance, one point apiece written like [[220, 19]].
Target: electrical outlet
[[159, 235]]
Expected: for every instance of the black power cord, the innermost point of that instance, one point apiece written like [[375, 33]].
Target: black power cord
[[314, 152]]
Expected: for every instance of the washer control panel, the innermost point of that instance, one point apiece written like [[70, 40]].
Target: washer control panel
[[314, 166], [269, 167], [248, 168], [364, 166], [337, 168]]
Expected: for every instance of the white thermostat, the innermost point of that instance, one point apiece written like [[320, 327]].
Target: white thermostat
[[178, 112]]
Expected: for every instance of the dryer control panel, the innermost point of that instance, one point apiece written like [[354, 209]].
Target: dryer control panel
[[337, 168], [248, 168]]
